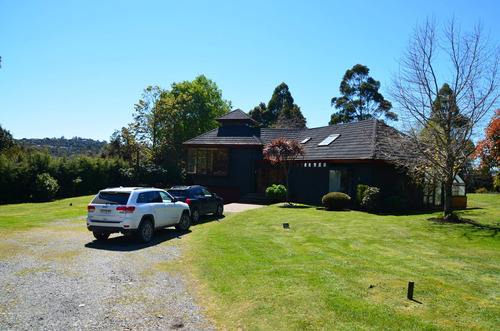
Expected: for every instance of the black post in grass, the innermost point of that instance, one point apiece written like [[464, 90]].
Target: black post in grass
[[410, 290]]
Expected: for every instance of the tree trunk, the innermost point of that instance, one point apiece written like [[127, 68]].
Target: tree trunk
[[287, 170], [448, 187]]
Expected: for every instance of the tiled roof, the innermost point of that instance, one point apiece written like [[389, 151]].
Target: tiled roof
[[356, 140], [236, 116]]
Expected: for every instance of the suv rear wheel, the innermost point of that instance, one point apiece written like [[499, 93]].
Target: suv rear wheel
[[101, 235], [145, 233], [195, 215], [184, 222]]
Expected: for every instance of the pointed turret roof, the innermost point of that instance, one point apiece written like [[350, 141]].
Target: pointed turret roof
[[237, 116]]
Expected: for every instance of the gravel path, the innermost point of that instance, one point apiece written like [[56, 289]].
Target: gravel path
[[59, 278]]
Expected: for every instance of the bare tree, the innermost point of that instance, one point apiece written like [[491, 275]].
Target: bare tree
[[447, 82]]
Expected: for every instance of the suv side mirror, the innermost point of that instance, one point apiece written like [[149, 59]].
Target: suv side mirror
[[175, 199]]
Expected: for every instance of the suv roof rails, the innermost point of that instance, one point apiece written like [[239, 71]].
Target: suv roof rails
[[132, 188]]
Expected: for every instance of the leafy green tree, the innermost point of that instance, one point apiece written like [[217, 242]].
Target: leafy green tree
[[6, 139], [360, 98], [258, 112], [488, 149], [187, 110], [148, 120], [124, 145]]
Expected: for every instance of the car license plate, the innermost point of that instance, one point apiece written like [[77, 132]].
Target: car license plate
[[105, 211]]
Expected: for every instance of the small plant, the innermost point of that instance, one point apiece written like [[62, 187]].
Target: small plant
[[276, 193], [371, 199], [482, 190], [359, 193], [395, 203], [336, 201]]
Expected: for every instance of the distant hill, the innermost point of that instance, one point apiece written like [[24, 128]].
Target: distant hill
[[65, 147]]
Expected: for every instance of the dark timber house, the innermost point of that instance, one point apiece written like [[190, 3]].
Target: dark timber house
[[337, 158]]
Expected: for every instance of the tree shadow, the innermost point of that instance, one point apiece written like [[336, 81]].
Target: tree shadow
[[295, 206], [472, 227], [128, 243], [207, 219]]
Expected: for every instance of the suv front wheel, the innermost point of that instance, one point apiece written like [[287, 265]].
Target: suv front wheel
[[220, 210]]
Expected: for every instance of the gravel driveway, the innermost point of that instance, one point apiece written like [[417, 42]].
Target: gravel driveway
[[59, 278]]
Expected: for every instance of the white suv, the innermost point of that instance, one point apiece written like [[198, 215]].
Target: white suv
[[136, 210]]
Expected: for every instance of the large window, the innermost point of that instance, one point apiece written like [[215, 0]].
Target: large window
[[340, 181], [209, 161]]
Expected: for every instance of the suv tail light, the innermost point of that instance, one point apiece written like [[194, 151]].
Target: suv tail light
[[90, 208], [188, 201], [126, 209]]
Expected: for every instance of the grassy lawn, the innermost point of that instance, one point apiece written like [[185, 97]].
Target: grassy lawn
[[350, 270], [28, 215]]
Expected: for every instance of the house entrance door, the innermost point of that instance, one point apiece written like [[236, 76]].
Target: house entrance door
[[266, 176]]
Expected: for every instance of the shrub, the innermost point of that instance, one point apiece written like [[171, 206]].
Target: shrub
[[44, 188], [359, 194], [371, 199], [336, 201], [482, 190], [276, 193], [395, 203]]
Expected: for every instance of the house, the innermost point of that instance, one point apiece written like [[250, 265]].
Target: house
[[337, 158]]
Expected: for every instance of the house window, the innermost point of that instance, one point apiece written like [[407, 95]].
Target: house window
[[339, 181], [305, 140], [209, 161]]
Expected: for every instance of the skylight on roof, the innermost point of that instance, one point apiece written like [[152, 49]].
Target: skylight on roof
[[305, 140], [328, 140]]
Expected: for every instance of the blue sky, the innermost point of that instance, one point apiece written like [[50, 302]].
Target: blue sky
[[76, 68]]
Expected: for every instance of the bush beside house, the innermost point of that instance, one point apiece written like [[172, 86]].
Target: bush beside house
[[336, 201], [276, 193]]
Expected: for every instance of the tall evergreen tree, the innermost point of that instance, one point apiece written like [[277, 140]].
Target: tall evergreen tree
[[291, 117], [360, 98], [271, 115]]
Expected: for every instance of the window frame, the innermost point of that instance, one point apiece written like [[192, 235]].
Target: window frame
[[211, 161]]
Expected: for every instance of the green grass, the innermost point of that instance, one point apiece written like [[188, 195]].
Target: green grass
[[350, 270], [28, 215]]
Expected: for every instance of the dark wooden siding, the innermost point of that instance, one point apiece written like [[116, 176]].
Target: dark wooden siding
[[240, 178]]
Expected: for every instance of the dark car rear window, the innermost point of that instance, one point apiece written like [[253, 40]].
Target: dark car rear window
[[111, 198], [178, 193]]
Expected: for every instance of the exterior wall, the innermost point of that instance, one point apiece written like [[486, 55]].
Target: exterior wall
[[309, 185], [240, 178]]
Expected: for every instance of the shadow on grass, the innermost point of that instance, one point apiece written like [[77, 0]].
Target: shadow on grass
[[474, 226], [207, 219], [128, 243], [294, 206]]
